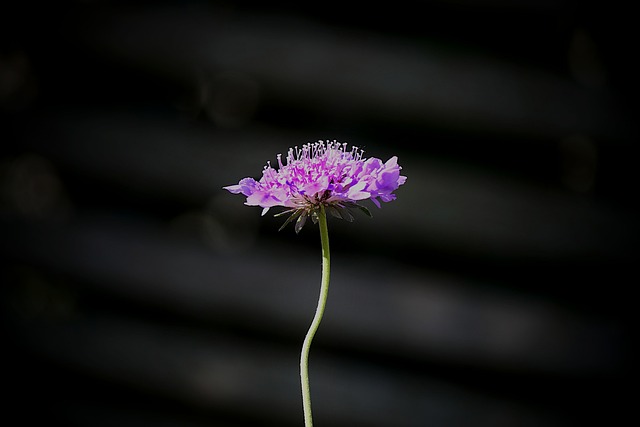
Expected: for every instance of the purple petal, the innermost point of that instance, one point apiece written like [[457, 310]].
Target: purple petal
[[246, 186], [356, 192], [235, 189]]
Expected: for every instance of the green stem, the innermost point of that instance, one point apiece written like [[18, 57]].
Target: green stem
[[322, 301]]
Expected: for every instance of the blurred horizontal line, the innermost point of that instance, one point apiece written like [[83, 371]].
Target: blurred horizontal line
[[357, 75], [413, 312], [214, 371]]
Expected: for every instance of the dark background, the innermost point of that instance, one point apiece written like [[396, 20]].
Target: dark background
[[496, 291]]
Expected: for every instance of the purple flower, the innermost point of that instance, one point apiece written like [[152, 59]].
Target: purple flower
[[322, 174]]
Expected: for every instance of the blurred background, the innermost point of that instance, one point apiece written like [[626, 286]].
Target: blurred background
[[495, 291]]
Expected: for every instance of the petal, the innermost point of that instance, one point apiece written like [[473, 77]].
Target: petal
[[262, 199], [246, 186], [316, 187], [388, 179], [235, 189], [356, 192], [392, 162]]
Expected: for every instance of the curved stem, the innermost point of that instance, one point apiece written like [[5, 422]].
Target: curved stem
[[322, 300]]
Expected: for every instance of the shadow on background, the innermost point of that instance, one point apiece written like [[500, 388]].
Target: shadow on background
[[493, 292]]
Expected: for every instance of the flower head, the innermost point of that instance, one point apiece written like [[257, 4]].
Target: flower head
[[324, 174]]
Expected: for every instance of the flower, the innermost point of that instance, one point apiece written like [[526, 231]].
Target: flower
[[322, 174]]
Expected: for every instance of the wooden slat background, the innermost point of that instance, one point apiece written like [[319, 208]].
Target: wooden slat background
[[496, 291]]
